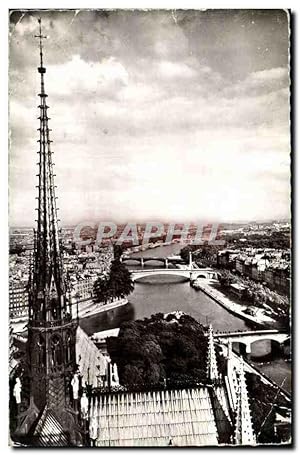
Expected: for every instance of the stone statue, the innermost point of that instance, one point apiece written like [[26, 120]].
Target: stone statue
[[56, 351], [75, 386], [94, 431], [84, 405], [115, 375], [18, 390], [41, 351], [69, 348]]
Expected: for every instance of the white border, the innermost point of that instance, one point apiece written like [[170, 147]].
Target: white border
[[62, 4]]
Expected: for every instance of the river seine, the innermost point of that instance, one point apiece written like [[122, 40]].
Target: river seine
[[165, 294]]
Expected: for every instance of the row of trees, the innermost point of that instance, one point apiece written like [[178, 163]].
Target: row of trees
[[277, 240], [258, 295], [204, 255]]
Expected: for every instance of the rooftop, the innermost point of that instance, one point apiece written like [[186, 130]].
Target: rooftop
[[158, 418], [155, 418]]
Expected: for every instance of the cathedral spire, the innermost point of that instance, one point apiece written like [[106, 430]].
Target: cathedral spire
[[51, 345], [44, 305], [243, 434], [212, 367], [51, 331]]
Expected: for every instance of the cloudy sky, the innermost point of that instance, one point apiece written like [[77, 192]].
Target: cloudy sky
[[158, 115]]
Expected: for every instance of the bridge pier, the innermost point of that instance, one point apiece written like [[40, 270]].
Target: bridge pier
[[248, 349], [286, 349], [142, 261], [277, 348], [258, 344], [166, 263]]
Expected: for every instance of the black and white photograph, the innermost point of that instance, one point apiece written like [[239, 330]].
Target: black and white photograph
[[150, 278]]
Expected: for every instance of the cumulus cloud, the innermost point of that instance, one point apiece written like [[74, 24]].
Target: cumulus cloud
[[78, 77], [147, 113], [260, 82], [176, 70]]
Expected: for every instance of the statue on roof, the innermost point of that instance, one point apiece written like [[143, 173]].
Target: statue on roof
[[75, 386], [84, 406], [17, 391]]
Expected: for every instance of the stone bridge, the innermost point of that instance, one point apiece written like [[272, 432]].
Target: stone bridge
[[188, 274], [277, 338], [142, 260]]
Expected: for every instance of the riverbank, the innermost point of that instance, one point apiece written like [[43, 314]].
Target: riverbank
[[91, 308], [86, 309], [259, 318], [148, 246]]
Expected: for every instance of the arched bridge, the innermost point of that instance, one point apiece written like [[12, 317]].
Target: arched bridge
[[144, 259], [189, 274], [247, 338]]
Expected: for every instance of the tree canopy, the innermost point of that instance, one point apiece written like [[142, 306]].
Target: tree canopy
[[115, 284], [160, 348]]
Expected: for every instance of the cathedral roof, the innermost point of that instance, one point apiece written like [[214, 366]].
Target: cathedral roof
[[155, 418], [91, 362]]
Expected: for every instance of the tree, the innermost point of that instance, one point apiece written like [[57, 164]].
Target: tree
[[101, 289], [184, 253], [133, 375], [118, 251], [155, 374], [117, 284], [208, 254], [120, 282], [225, 278]]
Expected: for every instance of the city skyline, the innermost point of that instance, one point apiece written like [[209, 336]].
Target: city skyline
[[179, 112]]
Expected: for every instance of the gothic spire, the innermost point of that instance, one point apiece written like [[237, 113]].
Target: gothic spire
[[46, 305], [243, 434], [212, 367], [51, 344]]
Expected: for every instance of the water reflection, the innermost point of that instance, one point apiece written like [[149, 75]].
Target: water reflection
[[110, 319]]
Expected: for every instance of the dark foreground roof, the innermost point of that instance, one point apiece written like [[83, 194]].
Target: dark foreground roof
[[49, 432]]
